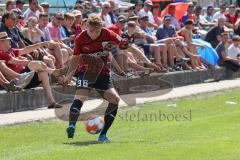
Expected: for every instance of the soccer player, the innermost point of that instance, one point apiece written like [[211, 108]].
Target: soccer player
[[94, 72]]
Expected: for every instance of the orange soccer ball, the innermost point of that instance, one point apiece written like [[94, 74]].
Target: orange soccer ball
[[94, 125]]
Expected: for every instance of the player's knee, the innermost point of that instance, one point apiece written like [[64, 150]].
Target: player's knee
[[76, 106], [112, 109], [115, 99]]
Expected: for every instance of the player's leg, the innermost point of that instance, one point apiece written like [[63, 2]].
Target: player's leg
[[113, 98], [80, 97]]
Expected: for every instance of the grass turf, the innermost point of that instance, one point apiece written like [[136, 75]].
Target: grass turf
[[204, 128]]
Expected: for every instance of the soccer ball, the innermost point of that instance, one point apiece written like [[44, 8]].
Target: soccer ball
[[94, 125]]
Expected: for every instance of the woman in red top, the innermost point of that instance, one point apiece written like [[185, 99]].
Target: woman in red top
[[90, 61]]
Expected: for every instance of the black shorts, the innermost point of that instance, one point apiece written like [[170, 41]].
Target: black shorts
[[35, 80], [101, 82]]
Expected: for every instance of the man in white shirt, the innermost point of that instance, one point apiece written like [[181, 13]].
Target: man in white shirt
[[146, 11], [220, 14], [33, 10], [233, 49], [105, 14]]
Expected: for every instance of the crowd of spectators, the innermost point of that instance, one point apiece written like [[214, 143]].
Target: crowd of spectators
[[35, 44]]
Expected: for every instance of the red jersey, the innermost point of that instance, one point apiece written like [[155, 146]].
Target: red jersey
[[84, 45], [115, 29], [231, 19], [7, 56]]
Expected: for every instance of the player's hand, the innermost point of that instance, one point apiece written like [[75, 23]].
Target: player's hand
[[108, 45]]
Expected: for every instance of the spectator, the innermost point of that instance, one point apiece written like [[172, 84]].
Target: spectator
[[66, 30], [19, 18], [125, 58], [209, 14], [61, 55], [219, 14], [46, 6], [166, 34], [105, 14], [157, 14], [15, 62], [231, 16], [77, 26], [80, 8], [8, 86], [186, 33], [237, 23], [202, 23], [54, 26], [32, 32], [138, 6], [8, 25], [130, 11], [214, 35], [225, 60], [189, 14], [174, 20], [20, 4], [33, 10], [113, 10], [10, 4], [146, 11], [119, 26], [146, 42], [129, 34], [233, 49]]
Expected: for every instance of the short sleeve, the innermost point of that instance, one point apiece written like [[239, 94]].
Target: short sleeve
[[5, 56], [16, 52]]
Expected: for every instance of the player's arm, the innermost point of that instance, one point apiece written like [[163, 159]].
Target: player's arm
[[122, 43]]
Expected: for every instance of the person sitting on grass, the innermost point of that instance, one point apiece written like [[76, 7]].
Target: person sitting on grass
[[14, 60]]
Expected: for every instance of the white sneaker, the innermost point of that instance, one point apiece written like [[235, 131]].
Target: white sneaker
[[25, 79]]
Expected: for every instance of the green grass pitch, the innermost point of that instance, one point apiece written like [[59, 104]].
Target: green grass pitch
[[201, 127]]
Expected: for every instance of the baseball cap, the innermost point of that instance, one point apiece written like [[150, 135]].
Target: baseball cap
[[148, 3], [122, 18], [4, 35], [77, 13]]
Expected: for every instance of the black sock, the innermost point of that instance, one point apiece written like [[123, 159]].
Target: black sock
[[75, 112], [109, 117]]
